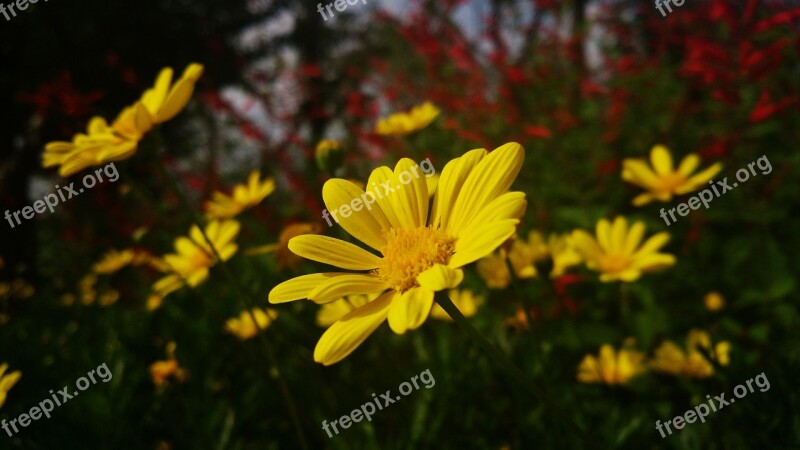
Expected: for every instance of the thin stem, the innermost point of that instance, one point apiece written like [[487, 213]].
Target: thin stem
[[249, 304], [444, 301]]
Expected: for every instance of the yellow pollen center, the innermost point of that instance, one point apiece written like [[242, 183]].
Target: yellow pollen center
[[410, 252], [671, 181], [614, 263]]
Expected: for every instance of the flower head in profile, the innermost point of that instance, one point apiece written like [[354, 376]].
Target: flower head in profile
[[662, 181], [287, 259], [416, 249], [223, 206], [464, 300], [115, 260], [691, 362], [162, 371], [245, 328], [399, 124], [7, 381], [493, 270], [193, 257], [618, 253], [611, 366], [328, 154], [103, 143]]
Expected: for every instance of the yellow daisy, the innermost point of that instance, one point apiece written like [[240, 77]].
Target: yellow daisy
[[244, 196], [714, 301], [616, 252], [465, 301], [193, 258], [404, 123], [611, 367], [245, 328], [671, 359], [472, 214], [162, 371], [103, 143], [493, 270], [7, 381], [285, 256], [662, 181], [558, 249]]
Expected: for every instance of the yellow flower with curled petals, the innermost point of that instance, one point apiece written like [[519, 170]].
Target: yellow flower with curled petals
[[193, 257], [405, 123], [162, 371], [662, 181], [692, 363], [244, 196], [245, 328], [7, 381], [472, 214], [465, 301], [493, 270], [610, 366], [103, 143], [281, 249], [618, 253]]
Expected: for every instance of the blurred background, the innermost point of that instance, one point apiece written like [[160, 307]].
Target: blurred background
[[581, 84]]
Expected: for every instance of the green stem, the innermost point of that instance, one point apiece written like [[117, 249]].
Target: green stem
[[247, 301], [444, 301]]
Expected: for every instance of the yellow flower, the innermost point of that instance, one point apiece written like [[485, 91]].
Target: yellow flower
[[714, 301], [465, 301], [616, 252], [328, 154], [331, 312], [162, 371], [559, 249], [662, 181], [113, 261], [243, 326], [494, 270], [472, 214], [7, 382], [244, 196], [404, 123], [285, 256], [671, 359], [611, 367], [103, 143], [193, 258], [108, 298], [86, 289]]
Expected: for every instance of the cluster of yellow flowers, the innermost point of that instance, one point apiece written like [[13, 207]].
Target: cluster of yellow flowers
[[618, 367]]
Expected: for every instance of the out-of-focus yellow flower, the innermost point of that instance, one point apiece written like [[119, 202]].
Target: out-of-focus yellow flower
[[616, 252], [244, 196], [405, 123], [113, 261], [611, 367], [662, 181], [162, 371], [108, 298], [7, 381], [68, 299], [519, 321], [671, 359], [331, 312], [328, 154], [86, 289], [494, 270], [244, 327], [472, 214], [193, 257], [465, 301], [103, 143], [558, 248], [285, 256], [714, 301]]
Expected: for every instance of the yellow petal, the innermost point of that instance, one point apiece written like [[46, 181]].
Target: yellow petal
[[510, 205], [440, 277], [377, 179], [688, 165], [454, 175], [332, 251], [482, 241], [346, 284], [410, 309], [653, 244], [634, 238], [154, 98], [410, 200], [176, 100], [661, 160], [364, 225], [344, 336], [617, 236], [299, 287]]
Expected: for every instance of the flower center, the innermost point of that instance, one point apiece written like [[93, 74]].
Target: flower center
[[199, 260], [671, 181], [614, 263], [410, 252]]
